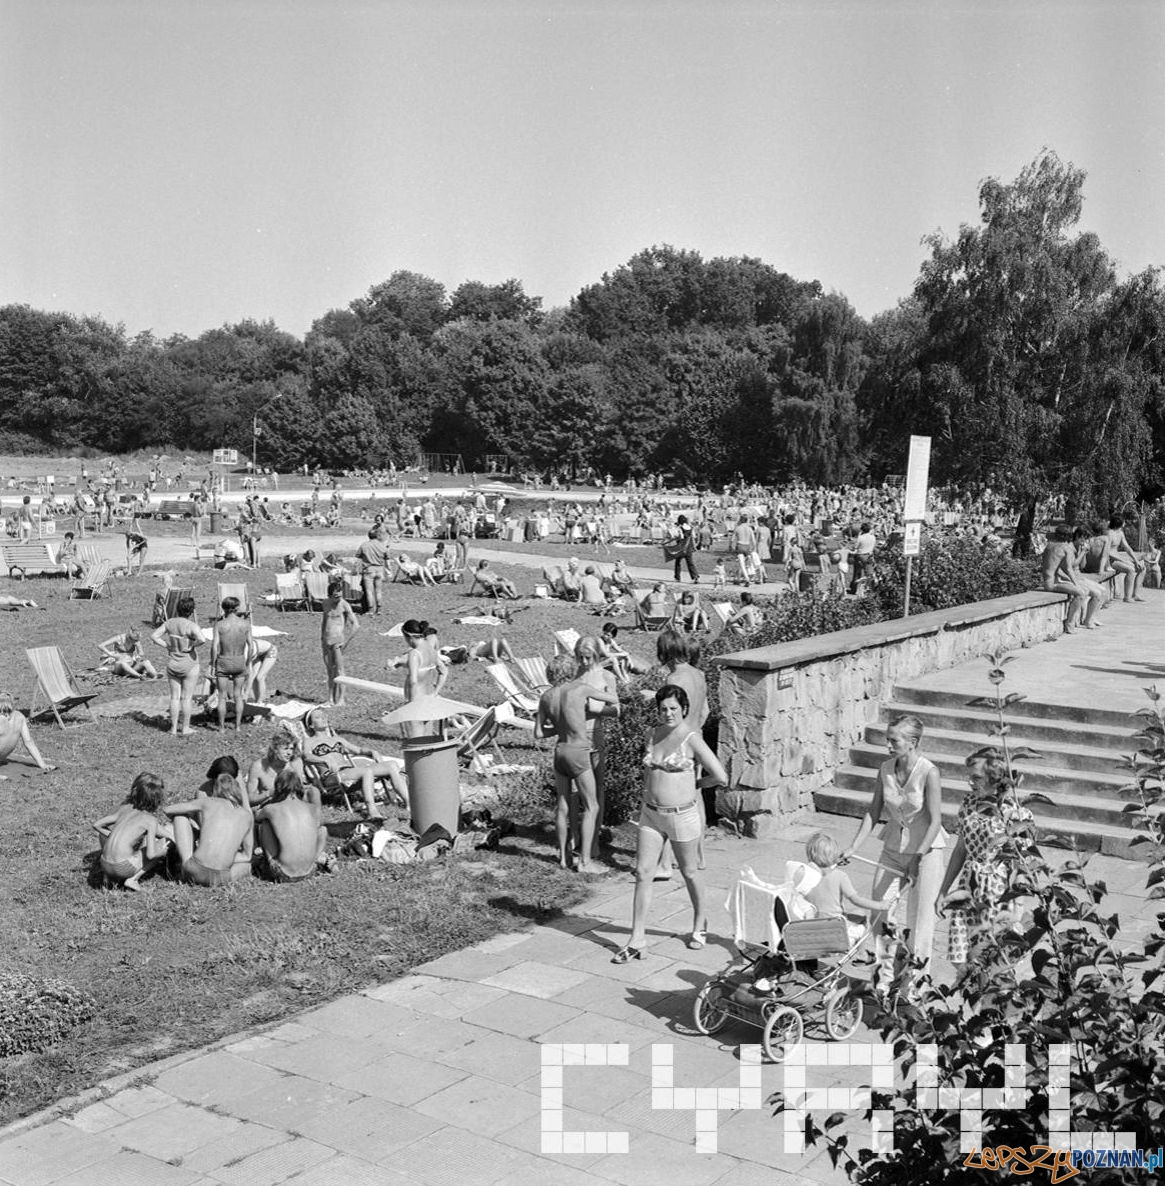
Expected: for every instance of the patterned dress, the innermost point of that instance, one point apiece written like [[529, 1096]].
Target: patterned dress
[[985, 875]]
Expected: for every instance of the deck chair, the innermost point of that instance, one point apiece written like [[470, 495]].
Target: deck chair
[[565, 641], [479, 733], [94, 583], [238, 590], [288, 591], [57, 685], [533, 674], [87, 556], [489, 588], [315, 589], [646, 621], [523, 701], [454, 574], [721, 610], [173, 596]]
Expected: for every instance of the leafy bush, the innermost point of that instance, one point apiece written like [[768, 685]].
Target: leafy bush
[[951, 570], [625, 748], [36, 1013], [1052, 975], [527, 797]]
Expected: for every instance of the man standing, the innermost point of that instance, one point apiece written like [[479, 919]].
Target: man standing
[[682, 548], [861, 555]]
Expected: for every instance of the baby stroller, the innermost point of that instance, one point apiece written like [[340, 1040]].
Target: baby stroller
[[793, 970]]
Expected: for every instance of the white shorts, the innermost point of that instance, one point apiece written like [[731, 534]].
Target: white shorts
[[680, 824]]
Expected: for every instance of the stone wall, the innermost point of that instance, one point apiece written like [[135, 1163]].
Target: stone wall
[[791, 712]]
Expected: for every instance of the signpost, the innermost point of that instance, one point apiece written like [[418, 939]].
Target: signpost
[[914, 510]]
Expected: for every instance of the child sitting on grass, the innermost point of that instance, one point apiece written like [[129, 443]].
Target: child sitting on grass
[[136, 838], [834, 894]]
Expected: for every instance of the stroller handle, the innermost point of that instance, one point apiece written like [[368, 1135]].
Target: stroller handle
[[904, 879]]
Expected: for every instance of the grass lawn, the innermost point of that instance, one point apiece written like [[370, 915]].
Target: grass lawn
[[177, 966]]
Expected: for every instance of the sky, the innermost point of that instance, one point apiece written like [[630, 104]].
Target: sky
[[177, 165]]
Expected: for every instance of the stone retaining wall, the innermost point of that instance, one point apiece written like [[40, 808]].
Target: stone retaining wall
[[790, 713]]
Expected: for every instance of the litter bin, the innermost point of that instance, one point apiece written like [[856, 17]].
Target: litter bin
[[434, 783], [216, 522]]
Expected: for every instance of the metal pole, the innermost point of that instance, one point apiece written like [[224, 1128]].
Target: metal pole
[[906, 604], [254, 438]]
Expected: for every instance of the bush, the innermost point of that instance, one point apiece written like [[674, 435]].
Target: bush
[[951, 570], [36, 1013], [625, 749], [526, 798]]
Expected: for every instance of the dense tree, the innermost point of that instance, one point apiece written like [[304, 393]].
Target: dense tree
[[494, 302], [405, 303]]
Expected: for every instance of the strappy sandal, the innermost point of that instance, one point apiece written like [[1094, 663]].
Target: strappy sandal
[[625, 954], [697, 939]]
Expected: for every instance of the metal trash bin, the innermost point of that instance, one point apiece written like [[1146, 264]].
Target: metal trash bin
[[216, 522], [434, 783]]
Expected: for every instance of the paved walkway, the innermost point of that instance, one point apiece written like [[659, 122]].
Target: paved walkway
[[437, 1078]]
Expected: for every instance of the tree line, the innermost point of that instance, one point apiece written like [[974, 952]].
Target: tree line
[[1020, 352]]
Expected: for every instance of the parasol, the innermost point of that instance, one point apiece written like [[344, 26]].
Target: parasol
[[430, 708]]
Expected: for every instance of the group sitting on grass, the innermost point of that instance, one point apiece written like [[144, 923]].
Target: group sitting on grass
[[220, 836]]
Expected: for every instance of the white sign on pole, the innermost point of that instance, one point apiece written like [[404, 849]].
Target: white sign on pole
[[226, 457], [912, 541], [917, 477]]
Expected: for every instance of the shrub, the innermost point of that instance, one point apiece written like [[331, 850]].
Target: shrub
[[951, 570], [36, 1013], [625, 749], [526, 797]]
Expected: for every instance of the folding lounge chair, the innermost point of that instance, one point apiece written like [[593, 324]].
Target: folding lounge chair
[[490, 588], [565, 641], [57, 685], [315, 588], [288, 591], [647, 621], [533, 673], [94, 583], [173, 596], [234, 590], [526, 702], [722, 610]]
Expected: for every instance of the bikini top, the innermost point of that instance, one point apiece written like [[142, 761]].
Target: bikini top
[[674, 763]]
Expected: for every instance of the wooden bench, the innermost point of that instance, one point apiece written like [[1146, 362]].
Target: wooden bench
[[24, 558]]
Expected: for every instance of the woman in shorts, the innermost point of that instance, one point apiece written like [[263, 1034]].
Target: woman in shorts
[[671, 812]]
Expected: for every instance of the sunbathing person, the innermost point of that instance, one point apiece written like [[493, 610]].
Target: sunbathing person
[[570, 582], [411, 571], [225, 837], [289, 832], [334, 762], [689, 616], [8, 602], [124, 656], [264, 771], [13, 732], [136, 839], [591, 588], [493, 583]]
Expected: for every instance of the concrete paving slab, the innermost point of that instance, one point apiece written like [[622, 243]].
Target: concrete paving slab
[[655, 1161], [43, 1155], [320, 1058], [217, 1077], [591, 1027], [356, 1016], [536, 979], [140, 1099], [96, 1118], [462, 965], [499, 1057], [430, 1037], [597, 1089], [453, 1157], [130, 1169], [482, 1105], [343, 1170], [531, 1137], [292, 1104], [519, 1015], [248, 1139], [274, 1165], [173, 1132], [371, 1129], [749, 1173], [400, 1078]]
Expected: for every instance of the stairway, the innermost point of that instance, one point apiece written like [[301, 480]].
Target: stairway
[[1079, 768]]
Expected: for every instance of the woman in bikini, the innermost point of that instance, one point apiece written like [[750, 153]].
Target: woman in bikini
[[426, 671], [671, 812], [331, 759], [562, 714], [230, 652], [181, 638], [914, 844], [338, 624]]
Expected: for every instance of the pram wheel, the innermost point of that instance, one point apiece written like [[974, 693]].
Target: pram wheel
[[843, 1015], [783, 1029], [707, 1016]]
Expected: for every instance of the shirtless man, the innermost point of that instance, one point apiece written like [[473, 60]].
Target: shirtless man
[[336, 630], [13, 732], [225, 838], [1122, 558], [264, 771], [1058, 576], [289, 830], [562, 713], [230, 652], [134, 840]]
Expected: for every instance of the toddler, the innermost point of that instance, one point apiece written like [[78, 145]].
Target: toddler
[[834, 893], [719, 576]]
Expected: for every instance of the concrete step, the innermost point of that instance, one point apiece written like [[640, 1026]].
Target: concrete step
[[940, 698], [1111, 839], [960, 744], [1040, 775], [1038, 733]]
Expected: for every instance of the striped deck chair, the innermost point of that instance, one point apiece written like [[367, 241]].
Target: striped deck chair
[[722, 610], [95, 582], [565, 640], [238, 590], [647, 621], [289, 591], [173, 596], [526, 702], [56, 685], [315, 589], [533, 674]]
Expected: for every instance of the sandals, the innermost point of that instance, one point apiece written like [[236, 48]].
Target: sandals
[[697, 939], [625, 954]]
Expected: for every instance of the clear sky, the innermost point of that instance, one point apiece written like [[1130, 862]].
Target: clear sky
[[178, 164]]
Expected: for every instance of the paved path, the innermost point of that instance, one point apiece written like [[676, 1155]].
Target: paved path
[[437, 1078]]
